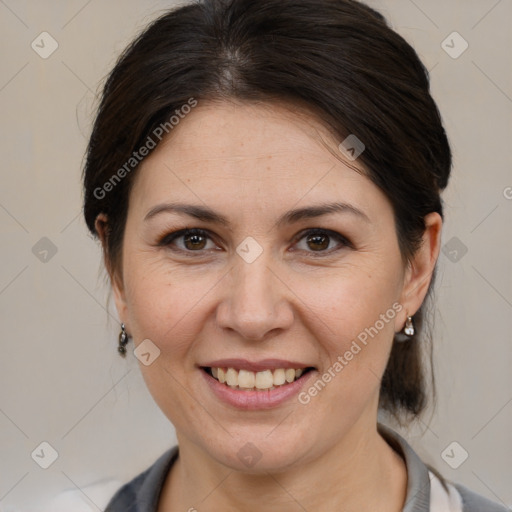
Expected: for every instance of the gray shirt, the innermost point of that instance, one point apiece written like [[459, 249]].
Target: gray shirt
[[143, 492]]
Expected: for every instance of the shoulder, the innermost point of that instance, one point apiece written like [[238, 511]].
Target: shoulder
[[141, 494], [88, 498], [453, 497], [443, 495], [473, 502]]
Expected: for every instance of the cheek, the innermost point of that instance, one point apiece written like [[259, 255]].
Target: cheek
[[352, 316], [163, 302], [164, 306], [345, 301], [353, 326]]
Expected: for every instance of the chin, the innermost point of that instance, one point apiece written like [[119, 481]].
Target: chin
[[259, 452]]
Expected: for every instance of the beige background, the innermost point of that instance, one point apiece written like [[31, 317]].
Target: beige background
[[61, 379]]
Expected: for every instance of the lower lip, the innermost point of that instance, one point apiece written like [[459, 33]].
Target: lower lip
[[255, 400]]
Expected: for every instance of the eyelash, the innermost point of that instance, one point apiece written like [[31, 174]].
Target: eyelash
[[167, 240]]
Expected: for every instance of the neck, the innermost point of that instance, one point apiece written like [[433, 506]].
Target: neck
[[361, 472]]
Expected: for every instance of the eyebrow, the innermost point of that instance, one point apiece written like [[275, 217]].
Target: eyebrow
[[206, 214]]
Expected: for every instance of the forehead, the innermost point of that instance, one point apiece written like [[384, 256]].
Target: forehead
[[261, 152], [245, 131]]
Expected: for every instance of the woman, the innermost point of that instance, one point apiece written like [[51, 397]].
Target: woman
[[265, 181]]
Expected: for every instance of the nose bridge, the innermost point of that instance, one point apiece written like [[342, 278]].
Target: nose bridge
[[255, 303], [252, 278]]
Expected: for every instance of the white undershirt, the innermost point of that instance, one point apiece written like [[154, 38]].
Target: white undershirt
[[440, 500]]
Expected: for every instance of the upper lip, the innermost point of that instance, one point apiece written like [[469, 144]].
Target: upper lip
[[255, 366]]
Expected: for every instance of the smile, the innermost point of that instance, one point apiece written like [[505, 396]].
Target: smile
[[245, 380]]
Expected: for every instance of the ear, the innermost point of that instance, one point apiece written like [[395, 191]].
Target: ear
[[116, 281], [420, 269]]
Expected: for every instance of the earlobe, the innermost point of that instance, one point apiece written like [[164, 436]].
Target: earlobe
[[421, 268]]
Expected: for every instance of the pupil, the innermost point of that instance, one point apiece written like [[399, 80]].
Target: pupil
[[315, 240], [194, 240]]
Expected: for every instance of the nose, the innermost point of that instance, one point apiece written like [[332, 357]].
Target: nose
[[257, 300]]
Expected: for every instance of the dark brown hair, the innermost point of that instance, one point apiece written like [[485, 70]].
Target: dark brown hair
[[337, 57]]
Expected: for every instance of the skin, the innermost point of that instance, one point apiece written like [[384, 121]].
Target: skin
[[252, 163]]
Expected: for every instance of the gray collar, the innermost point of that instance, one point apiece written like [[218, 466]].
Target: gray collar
[[418, 478]]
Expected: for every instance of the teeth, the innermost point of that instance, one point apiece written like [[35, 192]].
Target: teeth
[[232, 377], [279, 377], [246, 379], [289, 375], [265, 380]]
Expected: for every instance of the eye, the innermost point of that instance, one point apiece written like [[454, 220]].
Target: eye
[[193, 240], [319, 240]]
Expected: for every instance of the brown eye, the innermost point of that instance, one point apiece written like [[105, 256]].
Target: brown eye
[[322, 241], [187, 240], [194, 241], [318, 242]]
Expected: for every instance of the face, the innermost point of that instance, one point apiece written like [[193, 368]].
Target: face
[[268, 289]]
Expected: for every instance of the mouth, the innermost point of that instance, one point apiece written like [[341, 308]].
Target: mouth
[[265, 380]]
